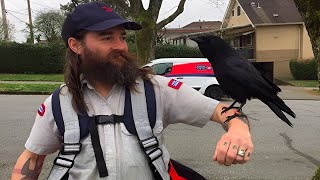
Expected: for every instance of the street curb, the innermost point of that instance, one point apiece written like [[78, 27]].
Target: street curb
[[25, 93]]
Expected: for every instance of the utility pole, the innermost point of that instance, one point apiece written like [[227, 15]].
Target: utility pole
[[4, 21], [30, 23]]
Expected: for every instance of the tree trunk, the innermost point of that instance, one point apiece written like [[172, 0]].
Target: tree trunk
[[315, 41], [310, 12], [145, 38], [145, 42]]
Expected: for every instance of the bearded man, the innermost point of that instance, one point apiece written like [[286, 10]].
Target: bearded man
[[99, 72]]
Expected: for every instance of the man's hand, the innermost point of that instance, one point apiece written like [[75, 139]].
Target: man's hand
[[235, 146]]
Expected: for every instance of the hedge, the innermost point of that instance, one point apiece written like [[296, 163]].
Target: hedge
[[26, 58], [168, 50], [304, 69], [47, 59]]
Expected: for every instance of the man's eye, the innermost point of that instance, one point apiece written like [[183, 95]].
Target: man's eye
[[107, 37], [124, 37]]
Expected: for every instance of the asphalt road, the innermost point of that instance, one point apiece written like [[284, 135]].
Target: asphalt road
[[280, 152]]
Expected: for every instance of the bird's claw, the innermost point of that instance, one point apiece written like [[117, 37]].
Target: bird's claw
[[225, 109]]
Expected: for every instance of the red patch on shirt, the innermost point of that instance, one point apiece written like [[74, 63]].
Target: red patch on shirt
[[42, 110], [175, 84]]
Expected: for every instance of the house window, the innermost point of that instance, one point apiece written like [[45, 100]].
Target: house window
[[238, 11], [249, 39], [232, 13]]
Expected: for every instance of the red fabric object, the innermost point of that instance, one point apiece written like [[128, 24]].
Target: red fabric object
[[173, 173]]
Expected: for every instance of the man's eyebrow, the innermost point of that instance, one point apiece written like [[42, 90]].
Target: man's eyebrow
[[104, 33]]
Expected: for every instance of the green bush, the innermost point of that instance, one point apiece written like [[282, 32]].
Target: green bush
[[171, 51], [304, 69], [317, 175], [28, 58], [48, 59]]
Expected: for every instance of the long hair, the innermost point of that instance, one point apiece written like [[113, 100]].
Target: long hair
[[72, 72]]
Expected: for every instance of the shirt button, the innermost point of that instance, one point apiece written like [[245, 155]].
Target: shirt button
[[110, 151], [108, 125]]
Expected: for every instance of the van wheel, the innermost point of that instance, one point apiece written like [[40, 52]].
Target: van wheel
[[214, 92]]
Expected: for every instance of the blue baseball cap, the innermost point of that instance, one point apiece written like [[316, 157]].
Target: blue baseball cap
[[94, 16]]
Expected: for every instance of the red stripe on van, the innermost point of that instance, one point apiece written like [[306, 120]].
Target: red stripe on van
[[192, 68]]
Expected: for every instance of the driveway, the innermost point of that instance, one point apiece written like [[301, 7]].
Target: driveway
[[298, 93]]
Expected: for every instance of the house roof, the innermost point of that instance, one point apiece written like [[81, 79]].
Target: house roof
[[271, 11], [194, 27], [182, 30], [204, 25]]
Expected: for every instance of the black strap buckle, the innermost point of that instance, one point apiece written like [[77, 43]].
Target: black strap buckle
[[149, 143], [107, 119], [71, 148], [63, 162]]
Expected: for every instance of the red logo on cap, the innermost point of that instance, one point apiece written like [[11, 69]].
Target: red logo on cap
[[107, 9]]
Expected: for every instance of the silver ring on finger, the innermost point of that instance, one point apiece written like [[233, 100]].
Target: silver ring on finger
[[241, 152]]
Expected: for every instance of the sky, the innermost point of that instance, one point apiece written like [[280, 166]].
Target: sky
[[195, 10]]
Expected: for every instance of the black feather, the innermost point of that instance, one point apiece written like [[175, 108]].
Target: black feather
[[239, 78]]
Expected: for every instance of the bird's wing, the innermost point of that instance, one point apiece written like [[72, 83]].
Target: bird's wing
[[243, 73]]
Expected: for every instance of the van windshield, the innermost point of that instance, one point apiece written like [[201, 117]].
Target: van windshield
[[162, 68]]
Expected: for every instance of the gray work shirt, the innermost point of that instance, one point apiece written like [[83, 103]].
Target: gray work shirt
[[123, 155]]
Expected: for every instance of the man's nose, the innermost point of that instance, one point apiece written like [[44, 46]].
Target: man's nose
[[120, 44]]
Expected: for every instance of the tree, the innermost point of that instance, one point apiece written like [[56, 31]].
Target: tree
[[145, 38], [11, 31], [310, 12], [48, 25], [69, 7]]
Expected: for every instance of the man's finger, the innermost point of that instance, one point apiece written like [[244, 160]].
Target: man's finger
[[231, 154], [221, 151], [241, 153]]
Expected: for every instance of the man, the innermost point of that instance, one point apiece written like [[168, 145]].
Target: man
[[98, 69]]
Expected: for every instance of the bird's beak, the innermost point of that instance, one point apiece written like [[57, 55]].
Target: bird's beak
[[196, 39]]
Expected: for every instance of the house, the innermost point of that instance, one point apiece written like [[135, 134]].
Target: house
[[267, 32], [177, 35]]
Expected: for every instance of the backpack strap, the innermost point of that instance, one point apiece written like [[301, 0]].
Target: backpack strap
[[71, 137], [148, 142], [83, 123], [151, 107], [57, 115]]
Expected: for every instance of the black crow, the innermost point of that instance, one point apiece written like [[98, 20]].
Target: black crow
[[239, 78]]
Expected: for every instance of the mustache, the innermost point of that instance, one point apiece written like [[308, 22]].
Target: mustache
[[115, 54]]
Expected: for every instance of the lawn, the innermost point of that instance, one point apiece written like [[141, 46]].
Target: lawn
[[304, 83], [32, 77], [43, 88]]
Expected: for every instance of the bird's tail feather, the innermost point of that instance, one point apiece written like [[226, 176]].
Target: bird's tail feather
[[283, 107], [277, 110]]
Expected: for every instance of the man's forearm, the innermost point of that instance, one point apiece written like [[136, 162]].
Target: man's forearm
[[28, 166]]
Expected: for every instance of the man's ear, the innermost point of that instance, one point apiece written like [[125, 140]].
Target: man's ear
[[75, 45]]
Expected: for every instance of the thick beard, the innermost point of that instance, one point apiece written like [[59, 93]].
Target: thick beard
[[107, 71]]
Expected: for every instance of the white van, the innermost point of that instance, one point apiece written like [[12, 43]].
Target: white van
[[194, 72]]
